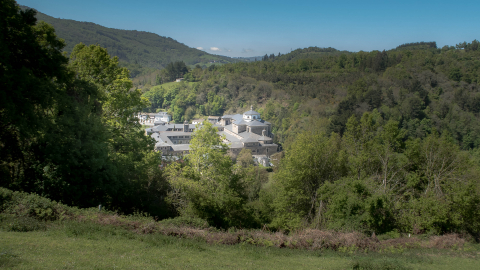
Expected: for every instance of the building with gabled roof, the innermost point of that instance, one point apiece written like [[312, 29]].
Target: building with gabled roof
[[239, 131]]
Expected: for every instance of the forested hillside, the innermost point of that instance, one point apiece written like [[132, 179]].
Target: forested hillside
[[422, 88], [137, 50]]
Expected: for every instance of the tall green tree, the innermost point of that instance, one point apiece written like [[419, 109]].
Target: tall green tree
[[207, 185], [136, 173], [32, 83], [311, 161]]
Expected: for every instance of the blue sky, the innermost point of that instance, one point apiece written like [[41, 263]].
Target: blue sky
[[253, 28]]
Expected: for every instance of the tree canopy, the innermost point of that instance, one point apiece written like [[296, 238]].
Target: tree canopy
[[68, 127]]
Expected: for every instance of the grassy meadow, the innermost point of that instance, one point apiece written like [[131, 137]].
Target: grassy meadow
[[89, 245]]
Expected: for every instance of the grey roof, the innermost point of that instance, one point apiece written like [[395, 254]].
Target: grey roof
[[229, 127], [237, 117], [156, 136], [174, 126], [228, 136], [235, 145], [255, 123], [249, 139], [181, 147], [250, 112], [160, 128], [241, 123], [227, 116], [158, 144], [264, 138], [191, 126]]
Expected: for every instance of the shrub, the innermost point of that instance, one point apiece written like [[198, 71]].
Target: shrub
[[22, 204], [21, 224], [182, 221]]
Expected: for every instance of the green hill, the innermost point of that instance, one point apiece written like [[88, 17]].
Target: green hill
[[137, 50], [309, 53]]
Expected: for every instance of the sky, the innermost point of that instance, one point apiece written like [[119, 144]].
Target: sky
[[246, 28]]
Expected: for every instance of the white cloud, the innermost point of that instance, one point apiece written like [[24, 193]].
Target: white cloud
[[199, 48], [215, 49]]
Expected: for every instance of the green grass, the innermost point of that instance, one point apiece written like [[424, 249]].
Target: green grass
[[87, 245]]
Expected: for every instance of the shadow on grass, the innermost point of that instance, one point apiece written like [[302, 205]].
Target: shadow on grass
[[20, 224], [385, 264], [8, 259]]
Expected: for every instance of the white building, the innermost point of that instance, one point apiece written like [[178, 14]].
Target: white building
[[162, 118]]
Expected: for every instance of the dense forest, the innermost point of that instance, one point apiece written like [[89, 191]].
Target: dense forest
[[381, 141]]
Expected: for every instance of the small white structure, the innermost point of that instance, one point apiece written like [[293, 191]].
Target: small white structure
[[163, 117], [179, 80], [197, 121], [251, 115]]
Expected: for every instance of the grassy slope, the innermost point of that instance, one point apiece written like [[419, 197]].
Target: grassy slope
[[86, 245], [92, 239]]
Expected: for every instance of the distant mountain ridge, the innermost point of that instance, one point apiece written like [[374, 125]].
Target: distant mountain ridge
[[133, 47]]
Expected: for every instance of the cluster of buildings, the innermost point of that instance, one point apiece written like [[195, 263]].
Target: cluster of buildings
[[239, 131], [154, 119]]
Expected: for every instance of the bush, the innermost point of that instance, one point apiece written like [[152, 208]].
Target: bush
[[183, 221], [94, 231], [21, 224], [22, 204]]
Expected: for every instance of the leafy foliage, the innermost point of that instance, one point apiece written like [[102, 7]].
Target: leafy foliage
[[207, 186], [68, 131], [417, 186]]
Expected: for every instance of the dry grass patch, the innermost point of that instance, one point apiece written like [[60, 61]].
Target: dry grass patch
[[310, 239]]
